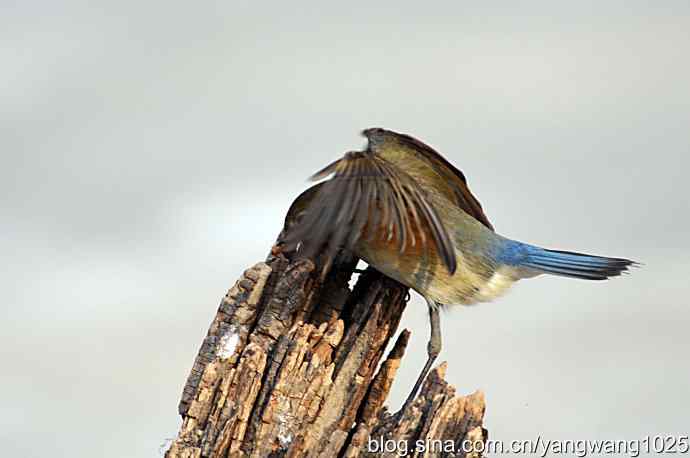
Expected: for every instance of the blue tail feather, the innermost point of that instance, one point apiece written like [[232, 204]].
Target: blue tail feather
[[563, 263], [575, 265]]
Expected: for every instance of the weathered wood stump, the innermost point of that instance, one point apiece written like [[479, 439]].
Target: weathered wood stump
[[289, 368]]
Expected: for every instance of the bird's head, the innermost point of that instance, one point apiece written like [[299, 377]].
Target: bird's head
[[377, 137]]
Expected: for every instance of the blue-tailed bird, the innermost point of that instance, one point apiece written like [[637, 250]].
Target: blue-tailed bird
[[409, 213]]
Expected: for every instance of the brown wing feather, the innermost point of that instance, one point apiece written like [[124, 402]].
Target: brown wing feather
[[366, 196], [451, 174]]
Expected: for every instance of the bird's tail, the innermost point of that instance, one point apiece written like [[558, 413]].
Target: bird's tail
[[574, 265]]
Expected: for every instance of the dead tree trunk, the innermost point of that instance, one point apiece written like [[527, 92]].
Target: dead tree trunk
[[289, 368]]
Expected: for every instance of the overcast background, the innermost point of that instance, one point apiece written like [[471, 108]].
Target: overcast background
[[150, 150]]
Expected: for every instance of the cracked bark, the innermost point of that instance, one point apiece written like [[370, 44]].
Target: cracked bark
[[290, 367]]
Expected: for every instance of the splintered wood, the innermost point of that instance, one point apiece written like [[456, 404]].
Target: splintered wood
[[289, 368]]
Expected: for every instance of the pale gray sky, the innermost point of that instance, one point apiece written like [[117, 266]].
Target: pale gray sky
[[150, 150]]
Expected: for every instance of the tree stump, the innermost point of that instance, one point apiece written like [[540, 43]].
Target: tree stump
[[290, 367]]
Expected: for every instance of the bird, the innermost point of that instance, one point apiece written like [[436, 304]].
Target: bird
[[405, 210]]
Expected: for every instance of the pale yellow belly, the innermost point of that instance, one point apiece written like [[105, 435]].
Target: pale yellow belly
[[474, 281]]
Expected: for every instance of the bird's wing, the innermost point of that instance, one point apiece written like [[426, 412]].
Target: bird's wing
[[368, 197], [454, 177]]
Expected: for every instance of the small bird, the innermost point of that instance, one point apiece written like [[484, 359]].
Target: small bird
[[409, 213]]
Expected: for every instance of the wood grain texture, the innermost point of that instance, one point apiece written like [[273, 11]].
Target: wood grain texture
[[292, 367]]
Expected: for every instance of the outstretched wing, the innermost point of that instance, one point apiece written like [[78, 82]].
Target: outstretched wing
[[367, 197], [453, 184]]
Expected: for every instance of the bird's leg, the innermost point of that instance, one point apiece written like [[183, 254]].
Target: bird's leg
[[433, 349]]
